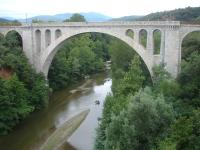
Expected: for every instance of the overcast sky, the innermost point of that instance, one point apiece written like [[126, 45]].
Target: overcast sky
[[113, 8]]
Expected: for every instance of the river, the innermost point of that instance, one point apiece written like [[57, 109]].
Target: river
[[31, 133]]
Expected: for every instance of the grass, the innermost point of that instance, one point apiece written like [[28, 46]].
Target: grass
[[64, 132]]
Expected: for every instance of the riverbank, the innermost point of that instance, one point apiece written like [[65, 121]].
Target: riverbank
[[59, 137]]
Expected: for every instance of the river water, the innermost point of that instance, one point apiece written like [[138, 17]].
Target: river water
[[33, 131]]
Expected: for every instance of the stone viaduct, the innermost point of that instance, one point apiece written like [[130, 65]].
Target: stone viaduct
[[41, 41]]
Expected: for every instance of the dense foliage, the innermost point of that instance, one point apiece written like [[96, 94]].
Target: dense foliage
[[189, 14], [164, 116], [22, 90], [183, 14]]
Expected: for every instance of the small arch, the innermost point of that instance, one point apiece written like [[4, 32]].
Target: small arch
[[38, 40], [14, 38], [58, 33], [156, 41], [143, 37], [130, 33], [47, 37]]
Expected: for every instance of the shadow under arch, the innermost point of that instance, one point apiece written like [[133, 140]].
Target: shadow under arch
[[49, 53]]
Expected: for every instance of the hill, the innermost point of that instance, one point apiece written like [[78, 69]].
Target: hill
[[127, 18], [183, 14], [3, 20], [90, 16]]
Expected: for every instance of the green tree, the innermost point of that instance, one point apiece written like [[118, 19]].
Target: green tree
[[190, 80], [37, 21], [13, 103], [24, 90], [146, 119], [76, 18], [133, 79], [185, 133]]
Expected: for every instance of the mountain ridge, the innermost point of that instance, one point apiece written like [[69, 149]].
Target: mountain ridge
[[180, 14], [89, 16]]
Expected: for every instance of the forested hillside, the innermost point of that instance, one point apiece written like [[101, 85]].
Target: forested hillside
[[189, 14], [186, 14]]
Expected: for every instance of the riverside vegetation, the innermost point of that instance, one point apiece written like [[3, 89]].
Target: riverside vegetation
[[22, 90], [161, 116]]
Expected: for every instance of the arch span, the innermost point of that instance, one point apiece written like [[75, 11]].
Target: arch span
[[185, 31], [19, 40], [15, 30], [49, 53], [192, 39]]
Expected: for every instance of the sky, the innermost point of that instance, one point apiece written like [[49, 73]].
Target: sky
[[113, 8]]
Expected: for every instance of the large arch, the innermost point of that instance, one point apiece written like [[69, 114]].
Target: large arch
[[192, 38], [18, 34], [185, 30], [49, 52], [16, 30]]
